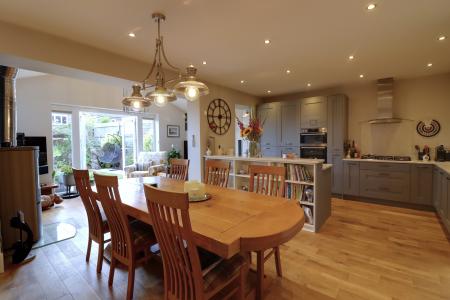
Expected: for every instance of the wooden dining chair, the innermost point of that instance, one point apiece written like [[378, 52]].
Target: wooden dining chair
[[179, 169], [183, 276], [130, 242], [97, 223], [267, 180], [217, 172]]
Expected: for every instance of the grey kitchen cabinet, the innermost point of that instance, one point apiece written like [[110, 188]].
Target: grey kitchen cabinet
[[443, 203], [290, 123], [448, 203], [336, 135], [436, 188], [385, 181], [287, 150], [268, 151], [313, 112], [351, 178], [269, 113], [422, 184]]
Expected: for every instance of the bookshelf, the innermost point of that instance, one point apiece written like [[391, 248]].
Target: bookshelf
[[308, 181]]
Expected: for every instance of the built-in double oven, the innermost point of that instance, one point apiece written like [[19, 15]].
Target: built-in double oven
[[313, 143]]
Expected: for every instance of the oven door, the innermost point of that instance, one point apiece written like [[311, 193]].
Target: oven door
[[317, 152], [313, 138]]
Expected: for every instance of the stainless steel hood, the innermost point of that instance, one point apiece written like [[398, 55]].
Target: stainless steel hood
[[8, 106], [385, 101]]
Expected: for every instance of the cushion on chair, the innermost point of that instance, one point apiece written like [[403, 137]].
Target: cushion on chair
[[142, 233], [223, 272]]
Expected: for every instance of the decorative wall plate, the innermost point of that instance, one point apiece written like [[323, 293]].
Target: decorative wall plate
[[219, 116], [428, 128]]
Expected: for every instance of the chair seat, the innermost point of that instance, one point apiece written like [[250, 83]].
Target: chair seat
[[143, 234], [225, 270]]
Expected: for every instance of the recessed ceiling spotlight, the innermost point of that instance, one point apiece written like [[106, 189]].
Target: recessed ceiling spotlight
[[288, 71], [242, 81], [351, 57], [132, 34], [269, 91], [361, 76], [442, 37], [309, 84], [429, 65], [204, 62], [267, 42], [371, 6]]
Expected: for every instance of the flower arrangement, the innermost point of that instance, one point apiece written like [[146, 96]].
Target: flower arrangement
[[252, 133]]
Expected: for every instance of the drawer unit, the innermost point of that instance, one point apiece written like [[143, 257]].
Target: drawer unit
[[379, 184], [351, 178], [385, 166]]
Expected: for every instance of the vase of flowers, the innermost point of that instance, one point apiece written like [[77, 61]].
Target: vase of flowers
[[252, 133]]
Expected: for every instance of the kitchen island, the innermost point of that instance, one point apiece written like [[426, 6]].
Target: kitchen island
[[308, 181], [421, 184]]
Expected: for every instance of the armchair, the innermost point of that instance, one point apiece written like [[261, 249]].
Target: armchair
[[148, 164]]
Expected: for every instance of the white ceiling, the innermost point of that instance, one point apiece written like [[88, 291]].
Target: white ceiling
[[311, 38]]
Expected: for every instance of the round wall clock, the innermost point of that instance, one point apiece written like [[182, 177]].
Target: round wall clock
[[428, 128], [219, 116]]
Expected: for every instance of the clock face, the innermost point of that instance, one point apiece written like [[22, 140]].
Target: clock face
[[219, 116]]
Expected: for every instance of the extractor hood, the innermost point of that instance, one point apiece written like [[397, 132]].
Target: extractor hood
[[385, 101]]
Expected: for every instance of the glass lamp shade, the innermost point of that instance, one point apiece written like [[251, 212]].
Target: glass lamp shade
[[191, 89], [136, 102], [161, 96]]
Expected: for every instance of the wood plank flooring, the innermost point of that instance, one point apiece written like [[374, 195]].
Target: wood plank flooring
[[364, 251]]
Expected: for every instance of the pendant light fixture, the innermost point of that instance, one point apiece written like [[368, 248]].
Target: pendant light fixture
[[185, 84]]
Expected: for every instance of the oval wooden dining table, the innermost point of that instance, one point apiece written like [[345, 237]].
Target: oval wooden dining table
[[231, 222]]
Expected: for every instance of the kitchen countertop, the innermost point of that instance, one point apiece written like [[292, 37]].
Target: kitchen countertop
[[305, 161], [444, 166]]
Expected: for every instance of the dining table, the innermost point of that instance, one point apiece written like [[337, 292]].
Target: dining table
[[230, 222]]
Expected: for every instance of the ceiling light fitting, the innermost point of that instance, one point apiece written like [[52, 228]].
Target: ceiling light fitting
[[267, 42], [361, 76], [186, 84], [132, 34], [371, 6], [442, 38], [429, 65], [351, 57]]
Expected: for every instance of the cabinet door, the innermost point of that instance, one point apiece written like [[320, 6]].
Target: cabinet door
[[290, 121], [313, 112], [444, 195], [269, 114], [448, 202], [337, 174], [270, 151], [422, 184], [287, 150], [436, 189], [337, 122], [351, 178]]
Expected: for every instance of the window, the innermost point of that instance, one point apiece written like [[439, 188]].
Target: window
[[61, 140], [149, 134], [108, 141]]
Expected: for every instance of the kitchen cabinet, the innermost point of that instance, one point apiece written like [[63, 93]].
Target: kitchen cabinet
[[351, 178], [422, 184], [268, 151], [290, 123], [269, 113], [436, 188], [448, 203], [313, 112], [443, 202], [337, 134]]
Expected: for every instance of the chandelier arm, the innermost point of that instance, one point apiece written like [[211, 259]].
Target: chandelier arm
[[153, 65], [165, 58]]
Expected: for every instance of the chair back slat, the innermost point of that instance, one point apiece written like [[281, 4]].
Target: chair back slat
[[217, 172], [179, 169], [172, 226], [89, 201], [267, 180], [108, 193]]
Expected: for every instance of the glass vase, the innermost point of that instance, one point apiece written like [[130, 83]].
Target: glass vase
[[254, 149]]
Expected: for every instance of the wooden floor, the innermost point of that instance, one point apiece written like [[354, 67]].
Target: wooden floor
[[364, 251]]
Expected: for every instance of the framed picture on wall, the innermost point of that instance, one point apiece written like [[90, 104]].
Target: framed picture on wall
[[173, 131]]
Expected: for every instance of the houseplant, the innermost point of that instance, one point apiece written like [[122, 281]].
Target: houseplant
[[66, 175], [252, 133]]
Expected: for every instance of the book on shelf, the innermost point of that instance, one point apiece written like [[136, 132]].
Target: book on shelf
[[298, 173], [299, 192]]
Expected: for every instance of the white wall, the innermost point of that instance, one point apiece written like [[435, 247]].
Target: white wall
[[37, 96]]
